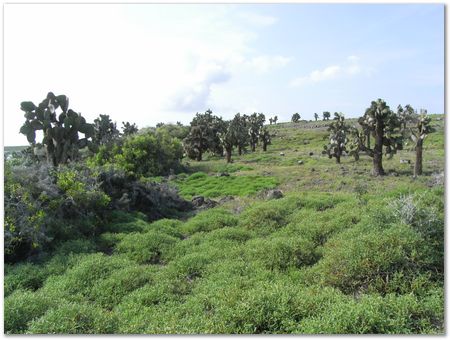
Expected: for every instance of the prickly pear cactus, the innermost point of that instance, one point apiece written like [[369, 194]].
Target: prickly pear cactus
[[60, 130], [338, 138]]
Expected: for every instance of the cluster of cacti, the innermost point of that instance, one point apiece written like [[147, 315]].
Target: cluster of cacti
[[339, 131], [60, 131], [389, 129], [212, 133], [295, 117], [273, 120], [326, 115]]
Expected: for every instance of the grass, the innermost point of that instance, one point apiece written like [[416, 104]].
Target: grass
[[341, 253], [201, 184]]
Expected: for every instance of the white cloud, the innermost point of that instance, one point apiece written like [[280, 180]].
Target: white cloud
[[264, 63], [257, 19], [352, 67], [194, 95], [353, 59], [315, 76]]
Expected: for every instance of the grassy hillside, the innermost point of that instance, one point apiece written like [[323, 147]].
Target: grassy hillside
[[341, 252]]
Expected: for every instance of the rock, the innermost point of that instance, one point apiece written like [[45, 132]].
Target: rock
[[437, 179], [274, 194], [300, 162], [223, 174], [311, 153], [226, 199], [405, 161], [281, 153], [199, 202]]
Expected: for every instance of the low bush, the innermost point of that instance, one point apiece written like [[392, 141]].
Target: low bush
[[357, 259], [146, 248], [22, 307], [373, 314], [209, 220], [24, 276], [76, 284], [166, 226], [109, 292], [75, 318], [280, 253]]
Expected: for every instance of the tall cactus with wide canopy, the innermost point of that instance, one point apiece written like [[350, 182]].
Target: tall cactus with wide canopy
[[338, 137], [264, 137], [60, 131], [418, 134], [228, 138], [255, 123], [240, 125], [405, 115], [384, 125]]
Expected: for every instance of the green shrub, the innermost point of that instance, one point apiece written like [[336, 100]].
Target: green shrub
[[374, 314], [266, 217], [78, 281], [147, 154], [23, 306], [110, 291], [106, 242], [78, 246], [135, 225], [208, 220], [167, 226], [280, 253], [75, 318], [24, 276], [149, 247], [359, 258]]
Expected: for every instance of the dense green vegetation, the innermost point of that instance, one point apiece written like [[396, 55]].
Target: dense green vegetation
[[341, 252]]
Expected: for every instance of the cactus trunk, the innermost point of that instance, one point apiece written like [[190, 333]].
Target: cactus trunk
[[228, 154], [418, 165], [378, 150]]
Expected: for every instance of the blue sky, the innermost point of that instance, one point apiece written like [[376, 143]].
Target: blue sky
[[153, 63]]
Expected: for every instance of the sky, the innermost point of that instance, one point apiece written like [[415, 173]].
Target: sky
[[150, 63]]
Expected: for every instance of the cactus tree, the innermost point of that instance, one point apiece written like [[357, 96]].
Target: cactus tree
[[326, 115], [60, 131], [255, 123], [316, 116], [264, 137], [418, 134], [338, 137], [228, 139], [295, 117], [384, 125]]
